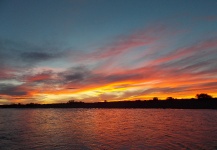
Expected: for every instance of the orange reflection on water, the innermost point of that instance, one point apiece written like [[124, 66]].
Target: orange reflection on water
[[108, 129]]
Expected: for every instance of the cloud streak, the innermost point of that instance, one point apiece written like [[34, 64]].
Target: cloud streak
[[178, 72]]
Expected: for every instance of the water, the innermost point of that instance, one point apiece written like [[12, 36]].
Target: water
[[107, 129]]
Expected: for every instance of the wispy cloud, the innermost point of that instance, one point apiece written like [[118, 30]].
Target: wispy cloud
[[125, 43], [178, 72]]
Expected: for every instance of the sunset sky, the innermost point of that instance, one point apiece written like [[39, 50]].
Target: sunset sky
[[53, 51]]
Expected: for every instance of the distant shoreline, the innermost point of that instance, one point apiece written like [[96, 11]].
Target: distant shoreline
[[172, 104]]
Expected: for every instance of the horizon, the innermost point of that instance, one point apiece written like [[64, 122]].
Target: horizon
[[169, 98], [54, 51]]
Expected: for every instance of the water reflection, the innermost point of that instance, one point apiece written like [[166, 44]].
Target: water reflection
[[107, 129]]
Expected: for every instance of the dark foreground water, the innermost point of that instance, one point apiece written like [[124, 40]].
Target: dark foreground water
[[107, 129]]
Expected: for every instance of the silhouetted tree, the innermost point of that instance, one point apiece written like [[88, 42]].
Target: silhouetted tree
[[71, 101], [155, 99], [203, 96], [138, 100], [170, 98]]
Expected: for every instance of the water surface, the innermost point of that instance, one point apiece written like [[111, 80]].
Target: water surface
[[108, 129]]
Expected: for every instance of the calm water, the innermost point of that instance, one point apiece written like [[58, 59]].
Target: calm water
[[107, 129]]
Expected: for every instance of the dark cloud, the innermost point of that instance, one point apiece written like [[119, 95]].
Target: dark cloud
[[164, 90], [22, 54], [209, 84], [75, 77], [76, 74], [83, 76], [36, 56], [122, 77], [12, 90]]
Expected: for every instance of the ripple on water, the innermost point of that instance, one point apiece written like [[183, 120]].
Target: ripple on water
[[108, 129]]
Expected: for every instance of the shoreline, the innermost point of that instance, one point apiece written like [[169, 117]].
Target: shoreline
[[144, 104]]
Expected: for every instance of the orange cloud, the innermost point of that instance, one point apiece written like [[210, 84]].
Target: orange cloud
[[180, 73]]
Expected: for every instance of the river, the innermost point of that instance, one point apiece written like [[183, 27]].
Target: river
[[109, 129]]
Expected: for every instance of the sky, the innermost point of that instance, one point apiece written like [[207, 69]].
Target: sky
[[53, 51]]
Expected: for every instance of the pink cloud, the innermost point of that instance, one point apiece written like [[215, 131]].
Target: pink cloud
[[7, 73], [126, 43], [183, 52], [39, 77]]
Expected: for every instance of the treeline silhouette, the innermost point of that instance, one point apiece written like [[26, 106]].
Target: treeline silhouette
[[202, 101]]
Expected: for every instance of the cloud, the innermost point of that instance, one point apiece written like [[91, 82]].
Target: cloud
[[21, 54], [39, 77], [105, 73], [164, 90], [125, 43], [12, 90], [7, 73], [182, 53], [36, 56], [76, 74]]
